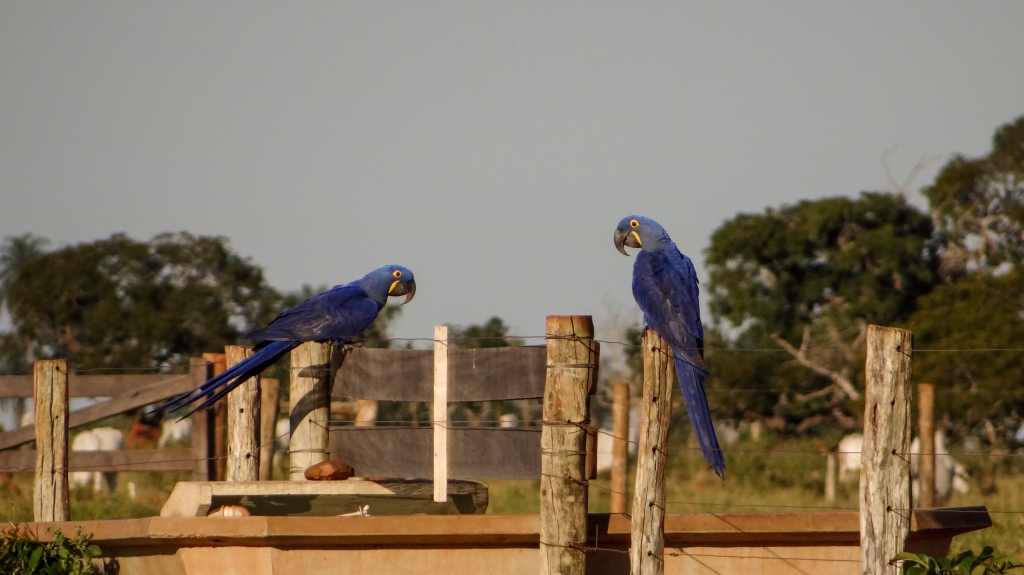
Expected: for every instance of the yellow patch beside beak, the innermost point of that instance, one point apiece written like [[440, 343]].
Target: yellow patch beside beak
[[392, 288], [637, 236]]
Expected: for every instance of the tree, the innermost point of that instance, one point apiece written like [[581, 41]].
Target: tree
[[977, 312], [978, 207], [808, 278], [493, 333], [123, 303], [15, 252]]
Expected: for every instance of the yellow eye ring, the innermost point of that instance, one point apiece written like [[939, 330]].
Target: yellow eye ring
[[397, 273], [634, 224]]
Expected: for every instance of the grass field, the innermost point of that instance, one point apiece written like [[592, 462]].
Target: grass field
[[763, 476]]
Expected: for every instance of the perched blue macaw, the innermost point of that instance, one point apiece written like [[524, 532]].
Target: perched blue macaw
[[665, 288], [337, 315]]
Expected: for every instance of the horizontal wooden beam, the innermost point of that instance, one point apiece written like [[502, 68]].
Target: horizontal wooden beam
[[166, 387], [473, 453], [489, 374], [83, 385], [172, 459]]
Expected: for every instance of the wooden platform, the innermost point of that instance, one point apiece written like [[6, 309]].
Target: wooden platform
[[695, 543], [325, 498]]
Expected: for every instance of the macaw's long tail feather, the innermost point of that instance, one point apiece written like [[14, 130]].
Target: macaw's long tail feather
[[232, 377], [691, 381]]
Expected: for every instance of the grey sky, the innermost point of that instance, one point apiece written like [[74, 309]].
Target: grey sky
[[491, 147]]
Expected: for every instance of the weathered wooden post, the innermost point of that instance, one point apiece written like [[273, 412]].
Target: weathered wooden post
[[830, 476], [572, 359], [885, 463], [647, 529], [439, 413], [51, 484], [220, 420], [203, 444], [926, 434], [620, 446], [243, 461], [270, 394], [310, 393]]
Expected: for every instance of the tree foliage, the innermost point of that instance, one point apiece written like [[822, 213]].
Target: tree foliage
[[492, 333], [123, 303], [978, 206], [976, 312], [806, 279]]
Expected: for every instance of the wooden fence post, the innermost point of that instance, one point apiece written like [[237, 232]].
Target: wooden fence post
[[926, 435], [572, 360], [620, 446], [885, 463], [51, 483], [310, 394], [439, 413], [647, 528], [202, 425], [830, 475], [270, 394], [220, 420], [243, 460]]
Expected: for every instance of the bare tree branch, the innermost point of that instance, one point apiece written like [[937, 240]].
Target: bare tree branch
[[798, 354]]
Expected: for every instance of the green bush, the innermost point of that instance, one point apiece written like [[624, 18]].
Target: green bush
[[965, 563], [21, 554]]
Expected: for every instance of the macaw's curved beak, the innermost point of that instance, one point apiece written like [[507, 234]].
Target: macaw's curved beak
[[624, 238], [408, 289]]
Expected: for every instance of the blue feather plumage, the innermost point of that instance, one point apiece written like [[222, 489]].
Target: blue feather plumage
[[337, 315], [666, 289]]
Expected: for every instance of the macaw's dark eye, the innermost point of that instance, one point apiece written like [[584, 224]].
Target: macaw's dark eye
[[398, 273], [634, 224]]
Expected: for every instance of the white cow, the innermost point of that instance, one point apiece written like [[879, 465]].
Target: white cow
[[849, 456], [99, 439], [950, 475], [175, 431]]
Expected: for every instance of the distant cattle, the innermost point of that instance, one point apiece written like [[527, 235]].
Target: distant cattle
[[950, 475], [849, 456], [98, 439], [175, 431]]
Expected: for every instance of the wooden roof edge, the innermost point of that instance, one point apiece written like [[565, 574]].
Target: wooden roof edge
[[950, 520], [725, 528]]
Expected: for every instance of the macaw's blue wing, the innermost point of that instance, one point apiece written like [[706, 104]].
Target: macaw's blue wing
[[335, 315], [665, 288]]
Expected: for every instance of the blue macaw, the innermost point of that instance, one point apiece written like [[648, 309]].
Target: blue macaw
[[337, 315], [665, 288]]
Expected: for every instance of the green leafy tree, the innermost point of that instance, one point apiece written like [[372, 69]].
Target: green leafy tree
[[124, 303], [807, 279], [493, 333], [978, 206], [977, 312]]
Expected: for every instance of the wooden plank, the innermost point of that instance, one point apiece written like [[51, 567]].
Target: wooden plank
[[386, 375], [310, 395], [926, 435], [172, 459], [51, 501], [571, 359], [200, 371], [735, 530], [318, 498], [885, 461], [490, 374], [158, 390], [385, 451], [218, 363], [107, 385], [270, 394], [243, 407], [473, 453], [439, 414], [647, 548], [620, 445]]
